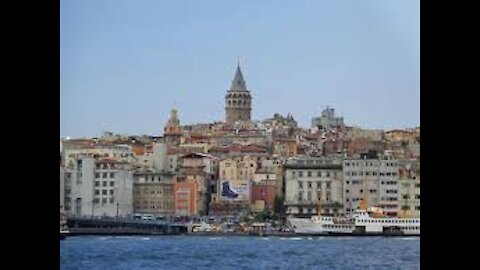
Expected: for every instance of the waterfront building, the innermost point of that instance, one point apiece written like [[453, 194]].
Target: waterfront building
[[263, 196], [312, 183], [409, 188], [62, 187], [153, 192], [374, 180], [186, 199], [100, 187]]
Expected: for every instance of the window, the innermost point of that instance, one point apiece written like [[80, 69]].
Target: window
[[360, 173], [96, 200], [347, 191], [293, 173], [309, 184], [104, 175], [112, 175], [417, 197], [328, 184], [406, 197], [300, 195], [367, 173], [405, 207], [309, 174], [97, 175], [300, 174], [328, 174], [112, 183], [417, 185], [111, 200], [417, 207], [300, 184], [348, 182], [104, 183], [309, 196], [111, 191], [347, 173], [104, 200], [104, 192], [97, 192], [374, 173], [319, 174], [97, 183], [361, 190]]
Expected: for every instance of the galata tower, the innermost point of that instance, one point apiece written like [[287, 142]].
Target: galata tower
[[238, 101]]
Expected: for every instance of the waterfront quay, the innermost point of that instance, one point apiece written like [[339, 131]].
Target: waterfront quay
[[122, 226]]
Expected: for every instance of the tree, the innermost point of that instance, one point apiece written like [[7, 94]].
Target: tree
[[279, 207]]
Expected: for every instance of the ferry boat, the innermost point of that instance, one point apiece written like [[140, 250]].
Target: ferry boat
[[363, 223]]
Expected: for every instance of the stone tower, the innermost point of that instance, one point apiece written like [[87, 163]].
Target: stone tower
[[238, 102], [172, 130]]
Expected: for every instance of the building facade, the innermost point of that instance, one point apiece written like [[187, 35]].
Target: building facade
[[313, 183], [409, 188], [372, 180], [327, 120], [153, 192], [101, 188]]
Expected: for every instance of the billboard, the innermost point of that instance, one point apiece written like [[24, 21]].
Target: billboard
[[234, 190]]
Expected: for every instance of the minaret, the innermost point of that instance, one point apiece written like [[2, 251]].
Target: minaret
[[238, 101]]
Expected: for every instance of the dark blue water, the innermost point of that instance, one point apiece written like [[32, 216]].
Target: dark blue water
[[205, 252]]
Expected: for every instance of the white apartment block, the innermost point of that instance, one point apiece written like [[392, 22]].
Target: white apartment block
[[100, 188], [374, 180]]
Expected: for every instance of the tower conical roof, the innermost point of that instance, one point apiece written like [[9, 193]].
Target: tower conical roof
[[238, 82]]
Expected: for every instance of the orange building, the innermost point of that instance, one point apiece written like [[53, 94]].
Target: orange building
[[285, 147], [185, 196]]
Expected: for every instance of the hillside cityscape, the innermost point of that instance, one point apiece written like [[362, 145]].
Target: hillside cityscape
[[242, 169]]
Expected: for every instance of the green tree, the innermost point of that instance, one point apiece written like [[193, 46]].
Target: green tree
[[279, 206]]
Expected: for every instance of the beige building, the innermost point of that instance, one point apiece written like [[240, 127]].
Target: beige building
[[409, 189], [237, 172], [313, 183], [238, 168], [153, 192]]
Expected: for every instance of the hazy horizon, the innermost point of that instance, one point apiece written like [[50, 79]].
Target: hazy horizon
[[125, 64]]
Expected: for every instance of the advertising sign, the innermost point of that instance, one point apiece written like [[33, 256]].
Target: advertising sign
[[234, 190]]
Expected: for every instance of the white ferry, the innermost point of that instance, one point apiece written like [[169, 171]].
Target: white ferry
[[361, 223]]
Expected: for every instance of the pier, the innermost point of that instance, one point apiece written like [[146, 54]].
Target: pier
[[122, 226]]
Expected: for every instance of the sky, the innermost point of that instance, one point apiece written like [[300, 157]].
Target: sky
[[124, 64]]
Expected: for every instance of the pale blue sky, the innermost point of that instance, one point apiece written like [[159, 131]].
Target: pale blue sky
[[126, 63]]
